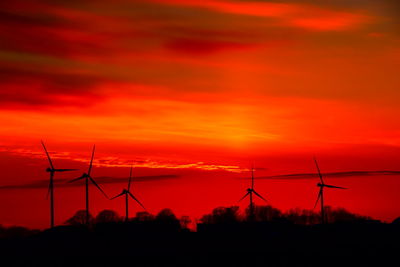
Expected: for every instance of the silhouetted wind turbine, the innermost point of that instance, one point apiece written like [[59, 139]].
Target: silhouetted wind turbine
[[88, 178], [321, 186], [50, 192], [250, 192], [128, 194]]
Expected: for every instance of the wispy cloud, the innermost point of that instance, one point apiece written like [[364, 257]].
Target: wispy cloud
[[57, 48], [117, 162], [199, 73]]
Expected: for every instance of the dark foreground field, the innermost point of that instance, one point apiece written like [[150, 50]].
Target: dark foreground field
[[262, 244]]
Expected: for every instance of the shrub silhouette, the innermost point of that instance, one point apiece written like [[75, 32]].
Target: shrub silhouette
[[167, 219], [264, 213], [143, 216], [165, 216], [16, 232], [107, 216], [79, 218], [342, 215], [185, 221], [222, 215], [396, 221], [302, 216]]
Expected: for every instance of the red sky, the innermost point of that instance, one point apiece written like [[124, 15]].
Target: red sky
[[199, 89]]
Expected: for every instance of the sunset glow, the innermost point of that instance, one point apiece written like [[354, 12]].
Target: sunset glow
[[199, 90]]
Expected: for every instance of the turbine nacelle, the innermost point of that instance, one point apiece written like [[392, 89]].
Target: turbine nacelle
[[128, 194], [250, 191], [330, 186], [49, 170]]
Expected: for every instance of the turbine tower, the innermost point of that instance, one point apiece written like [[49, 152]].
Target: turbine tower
[[321, 186], [87, 176], [128, 194], [250, 192], [50, 192]]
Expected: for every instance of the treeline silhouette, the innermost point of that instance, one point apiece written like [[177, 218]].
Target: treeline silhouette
[[222, 215], [224, 237], [165, 216], [270, 214], [168, 221]]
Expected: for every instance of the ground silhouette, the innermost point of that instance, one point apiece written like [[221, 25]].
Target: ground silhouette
[[225, 237]]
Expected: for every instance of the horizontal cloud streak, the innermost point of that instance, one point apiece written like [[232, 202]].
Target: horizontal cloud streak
[[100, 180], [192, 46], [299, 176], [289, 14]]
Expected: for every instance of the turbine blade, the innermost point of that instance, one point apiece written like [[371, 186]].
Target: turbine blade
[[98, 187], [48, 192], [332, 186], [65, 170], [76, 179], [244, 196], [319, 172], [257, 194], [252, 176], [132, 196], [117, 196], [48, 156], [130, 178], [91, 161], [319, 196]]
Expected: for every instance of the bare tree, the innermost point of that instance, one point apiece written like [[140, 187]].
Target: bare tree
[[222, 215], [144, 216], [107, 216], [185, 221], [79, 218]]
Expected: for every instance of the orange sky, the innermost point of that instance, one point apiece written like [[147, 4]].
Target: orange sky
[[200, 89]]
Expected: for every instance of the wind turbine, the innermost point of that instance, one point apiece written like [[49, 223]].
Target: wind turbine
[[87, 176], [50, 192], [128, 194], [321, 186], [250, 192]]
